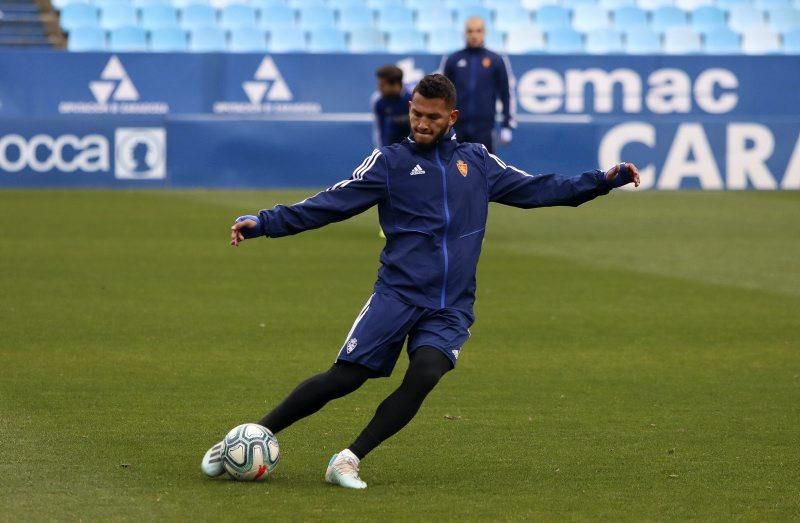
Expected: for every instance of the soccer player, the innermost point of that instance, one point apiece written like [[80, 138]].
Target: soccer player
[[390, 107], [481, 78], [433, 196]]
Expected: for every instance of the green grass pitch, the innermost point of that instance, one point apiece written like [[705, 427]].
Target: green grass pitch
[[637, 358]]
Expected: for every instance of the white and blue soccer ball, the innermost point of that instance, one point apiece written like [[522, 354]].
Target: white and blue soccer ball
[[250, 452]]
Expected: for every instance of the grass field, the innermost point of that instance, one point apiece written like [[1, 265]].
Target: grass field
[[637, 358]]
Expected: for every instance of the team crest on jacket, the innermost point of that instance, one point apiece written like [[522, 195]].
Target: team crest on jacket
[[486, 62], [463, 168]]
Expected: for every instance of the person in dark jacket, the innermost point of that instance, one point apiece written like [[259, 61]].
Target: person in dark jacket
[[390, 107], [433, 196], [481, 77]]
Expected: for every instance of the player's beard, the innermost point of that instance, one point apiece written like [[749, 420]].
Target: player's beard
[[434, 141]]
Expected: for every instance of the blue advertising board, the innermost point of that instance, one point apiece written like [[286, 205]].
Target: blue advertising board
[[302, 120]]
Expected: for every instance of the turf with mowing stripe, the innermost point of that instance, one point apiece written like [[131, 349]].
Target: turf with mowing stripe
[[636, 358]]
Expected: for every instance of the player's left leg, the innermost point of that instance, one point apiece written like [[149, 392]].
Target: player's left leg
[[426, 368]]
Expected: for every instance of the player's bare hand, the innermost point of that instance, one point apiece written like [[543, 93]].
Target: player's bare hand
[[236, 230], [612, 173]]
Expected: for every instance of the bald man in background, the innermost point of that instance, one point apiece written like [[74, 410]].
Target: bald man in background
[[481, 78]]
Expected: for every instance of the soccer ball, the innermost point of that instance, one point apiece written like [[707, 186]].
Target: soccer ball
[[250, 452]]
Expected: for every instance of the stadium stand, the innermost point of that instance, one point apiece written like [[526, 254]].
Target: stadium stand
[[419, 26], [721, 41], [169, 40], [127, 39]]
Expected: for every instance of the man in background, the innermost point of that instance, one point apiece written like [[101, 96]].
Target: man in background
[[390, 107], [481, 78]]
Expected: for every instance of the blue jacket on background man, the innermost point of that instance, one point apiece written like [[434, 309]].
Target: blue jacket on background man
[[481, 78], [432, 205]]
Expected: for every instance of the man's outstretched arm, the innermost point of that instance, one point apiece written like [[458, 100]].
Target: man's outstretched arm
[[511, 186], [365, 188]]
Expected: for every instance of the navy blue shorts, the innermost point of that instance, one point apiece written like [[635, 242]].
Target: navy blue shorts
[[381, 328]]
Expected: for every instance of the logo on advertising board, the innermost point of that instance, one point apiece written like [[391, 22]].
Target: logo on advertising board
[[114, 93], [140, 153], [267, 92]]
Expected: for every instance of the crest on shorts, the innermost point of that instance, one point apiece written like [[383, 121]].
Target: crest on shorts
[[463, 168], [486, 62], [351, 345]]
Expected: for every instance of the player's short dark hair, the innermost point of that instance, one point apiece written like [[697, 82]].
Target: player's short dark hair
[[437, 86], [390, 73]]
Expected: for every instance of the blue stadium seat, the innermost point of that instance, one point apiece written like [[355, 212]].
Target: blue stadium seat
[[195, 16], [159, 17], [721, 41], [728, 4], [708, 18], [613, 5], [791, 42], [277, 18], [262, 5], [100, 4], [691, 5], [347, 4], [564, 40], [307, 4], [417, 5], [445, 41], [147, 3], [652, 5], [535, 5], [395, 17], [666, 17], [784, 19], [75, 16], [235, 16], [407, 41], [572, 4], [207, 40], [587, 18], [682, 40], [118, 15], [435, 18], [87, 39], [182, 4], [127, 39], [743, 17], [367, 40], [761, 40], [507, 18], [169, 40], [327, 40], [603, 41], [285, 40], [525, 39], [467, 11], [496, 41], [627, 18], [353, 18], [552, 17], [247, 40], [501, 4], [61, 4], [772, 4], [458, 4], [381, 4], [642, 40], [317, 18]]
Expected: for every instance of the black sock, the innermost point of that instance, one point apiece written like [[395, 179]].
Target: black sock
[[427, 367], [311, 395]]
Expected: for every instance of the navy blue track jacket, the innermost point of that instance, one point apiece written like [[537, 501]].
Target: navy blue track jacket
[[432, 205], [481, 78]]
